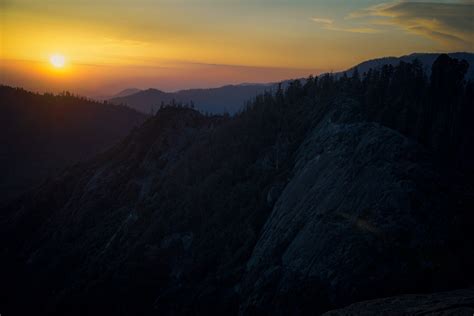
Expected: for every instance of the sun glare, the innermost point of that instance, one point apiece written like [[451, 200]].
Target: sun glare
[[57, 60]]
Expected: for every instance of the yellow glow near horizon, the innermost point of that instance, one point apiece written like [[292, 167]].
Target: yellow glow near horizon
[[104, 46], [57, 60]]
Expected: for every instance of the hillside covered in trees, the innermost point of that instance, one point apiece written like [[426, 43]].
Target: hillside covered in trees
[[43, 133], [319, 195]]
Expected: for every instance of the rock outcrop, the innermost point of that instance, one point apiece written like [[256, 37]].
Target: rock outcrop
[[360, 218], [460, 303]]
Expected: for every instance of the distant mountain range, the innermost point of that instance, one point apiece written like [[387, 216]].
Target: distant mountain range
[[220, 100], [231, 98], [126, 92], [123, 93]]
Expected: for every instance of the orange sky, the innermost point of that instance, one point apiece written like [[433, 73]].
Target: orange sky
[[110, 45]]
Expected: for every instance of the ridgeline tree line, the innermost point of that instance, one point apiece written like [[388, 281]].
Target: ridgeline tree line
[[434, 109]]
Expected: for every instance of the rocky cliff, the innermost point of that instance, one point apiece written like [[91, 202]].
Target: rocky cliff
[[360, 218]]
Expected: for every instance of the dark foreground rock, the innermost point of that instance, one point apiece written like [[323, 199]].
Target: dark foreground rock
[[455, 303]]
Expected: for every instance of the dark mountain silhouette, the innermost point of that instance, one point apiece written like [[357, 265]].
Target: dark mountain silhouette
[[232, 98], [227, 99], [41, 134], [426, 59], [341, 189]]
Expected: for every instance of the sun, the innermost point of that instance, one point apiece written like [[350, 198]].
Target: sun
[[57, 60]]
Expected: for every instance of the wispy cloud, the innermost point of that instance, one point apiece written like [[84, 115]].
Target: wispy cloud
[[328, 24], [446, 23], [324, 21]]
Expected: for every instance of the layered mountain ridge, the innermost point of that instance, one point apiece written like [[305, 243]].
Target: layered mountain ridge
[[227, 99], [233, 98], [317, 196]]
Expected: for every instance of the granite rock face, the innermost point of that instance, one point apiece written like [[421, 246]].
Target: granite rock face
[[365, 214], [460, 303]]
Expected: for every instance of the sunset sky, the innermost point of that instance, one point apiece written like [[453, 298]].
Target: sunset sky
[[109, 45]]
